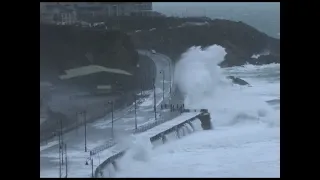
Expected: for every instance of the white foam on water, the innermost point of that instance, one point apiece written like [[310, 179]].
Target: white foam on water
[[245, 141]]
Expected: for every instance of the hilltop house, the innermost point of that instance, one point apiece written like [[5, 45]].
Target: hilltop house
[[57, 14], [93, 9]]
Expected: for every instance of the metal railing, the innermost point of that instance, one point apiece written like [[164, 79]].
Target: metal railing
[[103, 147]]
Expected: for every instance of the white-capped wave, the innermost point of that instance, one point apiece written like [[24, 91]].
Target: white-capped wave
[[203, 84]]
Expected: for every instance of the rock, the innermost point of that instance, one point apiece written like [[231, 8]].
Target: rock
[[239, 81]]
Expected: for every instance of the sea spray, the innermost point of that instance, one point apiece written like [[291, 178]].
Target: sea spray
[[200, 79]]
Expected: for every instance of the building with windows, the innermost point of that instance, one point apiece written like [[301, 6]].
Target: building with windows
[[100, 8], [70, 12], [57, 14], [114, 8]]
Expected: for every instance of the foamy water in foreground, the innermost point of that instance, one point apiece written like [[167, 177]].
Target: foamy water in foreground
[[245, 141]]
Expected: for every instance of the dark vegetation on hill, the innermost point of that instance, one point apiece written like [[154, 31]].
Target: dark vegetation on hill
[[133, 23], [66, 47], [172, 36], [240, 40]]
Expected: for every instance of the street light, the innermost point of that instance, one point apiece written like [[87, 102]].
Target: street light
[[60, 136], [105, 110], [135, 111], [65, 150], [59, 155], [112, 109], [77, 121], [84, 113], [170, 75], [60, 149], [92, 174], [85, 130], [145, 81], [91, 159], [155, 101], [162, 72], [141, 89]]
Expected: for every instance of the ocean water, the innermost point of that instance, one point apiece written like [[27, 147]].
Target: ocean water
[[245, 141]]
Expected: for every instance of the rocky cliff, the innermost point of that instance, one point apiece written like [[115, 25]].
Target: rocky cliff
[[243, 43]]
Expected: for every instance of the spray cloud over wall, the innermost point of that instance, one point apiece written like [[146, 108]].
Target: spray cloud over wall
[[203, 84], [197, 72]]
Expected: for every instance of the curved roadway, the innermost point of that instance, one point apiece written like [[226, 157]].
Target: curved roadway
[[99, 132]]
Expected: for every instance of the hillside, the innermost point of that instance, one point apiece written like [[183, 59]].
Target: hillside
[[240, 40], [172, 36], [66, 47]]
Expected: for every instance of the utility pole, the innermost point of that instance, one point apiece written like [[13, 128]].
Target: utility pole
[[145, 81], [104, 111], [61, 144], [65, 150], [59, 155], [162, 84], [155, 101], [170, 75], [111, 121], [77, 119], [92, 167], [135, 112], [85, 130], [112, 109], [141, 88]]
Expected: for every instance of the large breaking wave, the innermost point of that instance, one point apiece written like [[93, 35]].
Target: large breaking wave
[[204, 85]]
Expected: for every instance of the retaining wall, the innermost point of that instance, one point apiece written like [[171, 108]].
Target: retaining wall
[[180, 129]]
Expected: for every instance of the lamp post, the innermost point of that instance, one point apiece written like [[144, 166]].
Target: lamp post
[[61, 141], [60, 149], [170, 75], [135, 112], [162, 72], [65, 150], [92, 172], [84, 113], [104, 111], [59, 156], [155, 101], [85, 130], [112, 109]]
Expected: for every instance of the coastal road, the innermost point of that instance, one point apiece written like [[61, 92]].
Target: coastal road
[[99, 132]]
